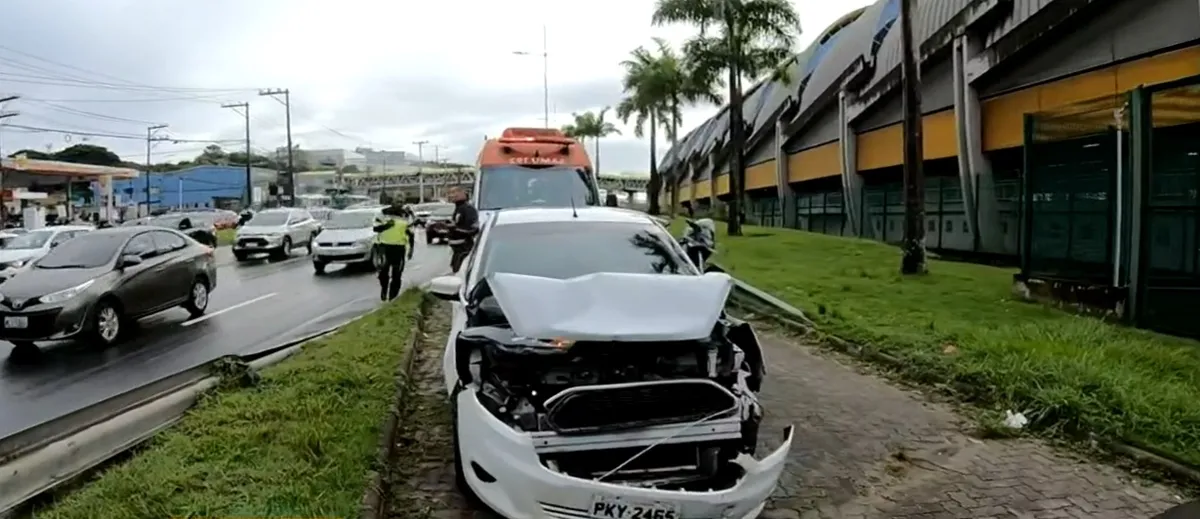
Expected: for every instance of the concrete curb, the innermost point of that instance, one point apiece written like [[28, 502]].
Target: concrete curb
[[40, 468], [376, 497], [755, 300]]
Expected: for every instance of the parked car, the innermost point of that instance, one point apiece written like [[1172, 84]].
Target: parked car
[[92, 286], [348, 239], [583, 339], [276, 232], [438, 223], [19, 251]]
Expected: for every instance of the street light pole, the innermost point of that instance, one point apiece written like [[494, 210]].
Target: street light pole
[[545, 73], [421, 169], [149, 142], [249, 186], [289, 190]]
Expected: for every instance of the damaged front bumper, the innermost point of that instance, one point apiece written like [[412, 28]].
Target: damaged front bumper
[[503, 467]]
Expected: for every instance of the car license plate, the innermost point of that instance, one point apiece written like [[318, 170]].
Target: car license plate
[[16, 321], [604, 507]]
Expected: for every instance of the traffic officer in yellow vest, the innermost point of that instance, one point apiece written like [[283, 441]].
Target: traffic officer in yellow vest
[[395, 242]]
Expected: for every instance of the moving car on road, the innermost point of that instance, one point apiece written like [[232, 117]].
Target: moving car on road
[[93, 285], [19, 251], [438, 223], [421, 212], [593, 373], [348, 239], [276, 232], [200, 226]]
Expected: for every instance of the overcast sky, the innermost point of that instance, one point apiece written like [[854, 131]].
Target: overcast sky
[[361, 73]]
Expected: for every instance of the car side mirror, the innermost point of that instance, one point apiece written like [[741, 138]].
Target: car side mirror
[[129, 260], [446, 288]]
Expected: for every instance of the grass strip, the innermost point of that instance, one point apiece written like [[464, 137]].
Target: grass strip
[[299, 443], [960, 327]]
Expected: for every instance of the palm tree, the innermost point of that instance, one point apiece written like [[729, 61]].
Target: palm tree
[[753, 37], [591, 125]]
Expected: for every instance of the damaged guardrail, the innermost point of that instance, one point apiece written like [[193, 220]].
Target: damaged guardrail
[[38, 459]]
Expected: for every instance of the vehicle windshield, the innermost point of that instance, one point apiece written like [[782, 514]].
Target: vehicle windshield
[[84, 251], [30, 240], [268, 220], [351, 220], [519, 186], [425, 208], [442, 210], [563, 250]]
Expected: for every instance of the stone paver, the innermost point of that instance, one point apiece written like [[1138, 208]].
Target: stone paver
[[863, 449]]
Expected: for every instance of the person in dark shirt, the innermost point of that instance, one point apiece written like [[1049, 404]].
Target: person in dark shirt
[[464, 227]]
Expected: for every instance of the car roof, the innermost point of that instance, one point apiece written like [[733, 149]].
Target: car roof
[[567, 214], [362, 210], [129, 230], [66, 228]]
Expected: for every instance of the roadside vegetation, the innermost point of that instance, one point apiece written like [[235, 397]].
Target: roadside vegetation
[[960, 328], [298, 443]]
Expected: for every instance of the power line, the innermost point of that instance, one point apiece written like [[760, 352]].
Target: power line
[[101, 74], [93, 115], [36, 129]]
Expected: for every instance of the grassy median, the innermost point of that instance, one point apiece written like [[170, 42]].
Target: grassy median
[[959, 327], [297, 444]]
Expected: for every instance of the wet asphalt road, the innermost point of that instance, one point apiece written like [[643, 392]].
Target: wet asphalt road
[[256, 305]]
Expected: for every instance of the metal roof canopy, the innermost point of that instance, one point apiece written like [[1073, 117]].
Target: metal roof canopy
[[65, 169]]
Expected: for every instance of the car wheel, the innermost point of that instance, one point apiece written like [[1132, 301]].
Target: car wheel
[[429, 239], [240, 256], [284, 250], [318, 268], [24, 349], [106, 323], [197, 301]]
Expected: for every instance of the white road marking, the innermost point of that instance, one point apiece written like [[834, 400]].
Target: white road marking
[[208, 316]]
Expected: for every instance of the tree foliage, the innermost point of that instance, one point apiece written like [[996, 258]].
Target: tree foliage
[[740, 40], [657, 84], [591, 125]]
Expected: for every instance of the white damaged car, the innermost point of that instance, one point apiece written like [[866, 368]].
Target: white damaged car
[[593, 374]]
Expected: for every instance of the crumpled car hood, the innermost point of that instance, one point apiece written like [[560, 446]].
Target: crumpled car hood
[[612, 307]]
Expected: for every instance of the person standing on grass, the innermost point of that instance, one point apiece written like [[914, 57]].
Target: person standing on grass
[[396, 244], [464, 225]]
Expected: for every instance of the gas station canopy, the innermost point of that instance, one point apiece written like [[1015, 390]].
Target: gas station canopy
[[56, 168]]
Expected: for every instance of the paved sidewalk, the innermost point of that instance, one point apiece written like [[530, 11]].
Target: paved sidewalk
[[867, 449]]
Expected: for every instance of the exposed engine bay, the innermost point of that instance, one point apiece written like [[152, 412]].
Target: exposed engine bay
[[668, 414]]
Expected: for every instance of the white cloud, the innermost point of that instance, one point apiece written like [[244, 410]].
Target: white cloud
[[360, 72]]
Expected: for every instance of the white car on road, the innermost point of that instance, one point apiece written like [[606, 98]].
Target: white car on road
[[348, 238], [593, 373], [275, 232], [24, 248]]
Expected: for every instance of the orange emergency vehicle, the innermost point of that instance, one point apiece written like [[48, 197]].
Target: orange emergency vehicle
[[534, 167]]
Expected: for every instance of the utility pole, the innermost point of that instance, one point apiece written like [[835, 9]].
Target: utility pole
[[913, 248], [289, 189], [3, 205], [249, 183], [436, 155], [150, 140], [421, 169], [545, 73]]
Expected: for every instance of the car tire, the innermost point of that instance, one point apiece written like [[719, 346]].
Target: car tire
[[240, 256], [318, 268], [284, 250], [429, 239], [198, 296], [24, 349], [107, 323]]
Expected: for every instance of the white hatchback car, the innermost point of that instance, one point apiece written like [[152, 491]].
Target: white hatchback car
[[593, 373]]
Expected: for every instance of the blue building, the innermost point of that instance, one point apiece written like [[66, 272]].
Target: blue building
[[199, 186]]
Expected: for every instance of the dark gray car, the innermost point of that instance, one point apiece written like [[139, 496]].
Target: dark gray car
[[91, 286]]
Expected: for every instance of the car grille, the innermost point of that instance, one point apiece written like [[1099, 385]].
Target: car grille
[[584, 409], [259, 242], [41, 324]]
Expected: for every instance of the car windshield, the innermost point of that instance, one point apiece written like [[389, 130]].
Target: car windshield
[[268, 220], [351, 220], [30, 240], [565, 250], [88, 250], [425, 208], [442, 210], [519, 186]]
